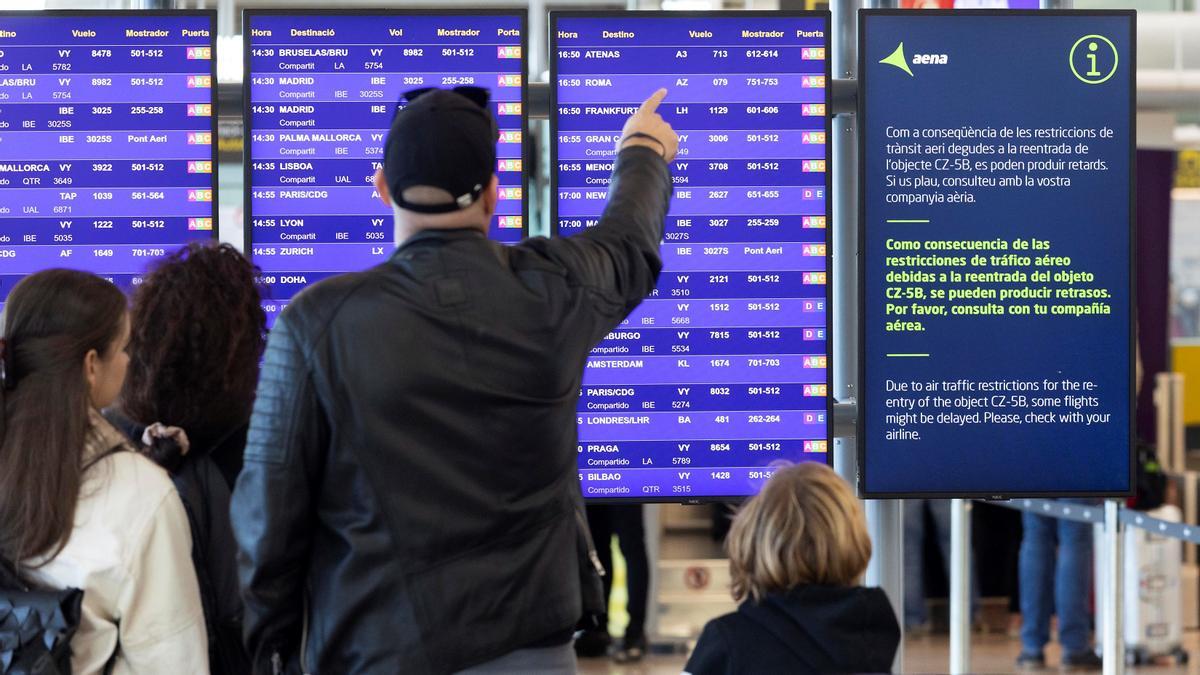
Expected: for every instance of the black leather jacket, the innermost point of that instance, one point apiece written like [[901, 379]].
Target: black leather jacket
[[408, 496]]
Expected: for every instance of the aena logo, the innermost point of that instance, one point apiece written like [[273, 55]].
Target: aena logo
[[897, 59]]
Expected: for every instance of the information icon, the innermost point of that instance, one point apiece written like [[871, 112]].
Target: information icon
[[1093, 59]]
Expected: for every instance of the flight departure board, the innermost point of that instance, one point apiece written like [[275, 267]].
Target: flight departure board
[[721, 375], [107, 124], [321, 89]]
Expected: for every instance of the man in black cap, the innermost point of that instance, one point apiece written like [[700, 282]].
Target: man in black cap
[[410, 502]]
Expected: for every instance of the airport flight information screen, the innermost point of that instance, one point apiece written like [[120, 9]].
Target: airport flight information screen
[[106, 140], [722, 373], [321, 90]]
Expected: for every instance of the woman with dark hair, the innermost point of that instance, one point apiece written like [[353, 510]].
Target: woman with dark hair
[[198, 333], [77, 510], [197, 337]]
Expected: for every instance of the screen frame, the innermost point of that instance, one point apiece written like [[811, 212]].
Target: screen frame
[[211, 15], [247, 130], [552, 60], [864, 17]]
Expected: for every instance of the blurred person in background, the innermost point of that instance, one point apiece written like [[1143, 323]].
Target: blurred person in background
[[916, 613], [198, 332], [627, 523], [78, 507], [797, 554], [1056, 579]]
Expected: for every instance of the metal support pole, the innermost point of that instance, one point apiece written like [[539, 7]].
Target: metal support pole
[[1162, 420], [885, 523], [227, 20], [1111, 621], [538, 39], [1172, 445], [844, 164], [960, 586], [885, 519], [652, 520], [1178, 426], [1168, 407]]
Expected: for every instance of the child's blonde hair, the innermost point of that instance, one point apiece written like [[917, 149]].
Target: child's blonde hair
[[805, 527]]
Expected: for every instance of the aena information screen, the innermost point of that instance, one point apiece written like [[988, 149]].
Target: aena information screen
[[996, 233]]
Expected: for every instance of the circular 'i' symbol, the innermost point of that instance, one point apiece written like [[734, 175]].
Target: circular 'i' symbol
[[1093, 59]]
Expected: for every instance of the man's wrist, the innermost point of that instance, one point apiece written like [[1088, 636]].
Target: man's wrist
[[638, 141]]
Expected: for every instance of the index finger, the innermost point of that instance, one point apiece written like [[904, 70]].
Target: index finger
[[651, 104]]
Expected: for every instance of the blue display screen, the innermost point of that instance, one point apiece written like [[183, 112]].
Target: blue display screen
[[321, 91], [721, 374], [106, 140], [996, 253]]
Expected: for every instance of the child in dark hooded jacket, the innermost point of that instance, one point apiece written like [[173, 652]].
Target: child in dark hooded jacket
[[797, 553]]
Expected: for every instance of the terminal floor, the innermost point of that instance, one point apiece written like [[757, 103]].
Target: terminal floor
[[991, 653]]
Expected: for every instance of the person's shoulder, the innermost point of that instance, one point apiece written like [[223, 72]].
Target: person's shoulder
[[733, 622], [199, 471], [133, 477], [542, 254], [538, 248], [313, 309], [727, 619], [324, 296], [726, 627], [714, 653], [879, 608], [872, 599], [872, 594], [124, 490]]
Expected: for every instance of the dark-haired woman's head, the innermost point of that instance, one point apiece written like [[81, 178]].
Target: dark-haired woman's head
[[64, 340], [198, 334]]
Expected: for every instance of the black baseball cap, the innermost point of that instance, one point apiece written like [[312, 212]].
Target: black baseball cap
[[443, 139]]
